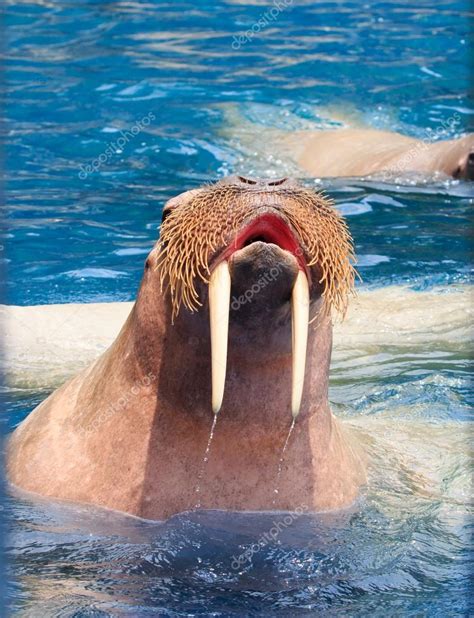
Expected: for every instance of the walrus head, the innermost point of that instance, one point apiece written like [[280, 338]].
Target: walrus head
[[256, 252]]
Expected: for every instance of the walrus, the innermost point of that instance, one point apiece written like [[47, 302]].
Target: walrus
[[364, 152], [232, 327], [352, 149]]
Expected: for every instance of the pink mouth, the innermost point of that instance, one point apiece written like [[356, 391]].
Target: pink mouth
[[267, 228]]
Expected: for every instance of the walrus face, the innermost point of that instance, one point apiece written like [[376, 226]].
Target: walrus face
[[256, 251]]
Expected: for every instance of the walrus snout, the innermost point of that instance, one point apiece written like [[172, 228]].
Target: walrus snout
[[262, 276], [264, 268]]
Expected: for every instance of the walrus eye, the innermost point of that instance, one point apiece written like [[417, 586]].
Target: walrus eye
[[164, 214]]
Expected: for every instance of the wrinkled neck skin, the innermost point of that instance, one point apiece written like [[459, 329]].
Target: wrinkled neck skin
[[321, 470]]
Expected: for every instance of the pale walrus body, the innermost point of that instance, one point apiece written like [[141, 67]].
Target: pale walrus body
[[363, 152], [130, 431], [353, 150]]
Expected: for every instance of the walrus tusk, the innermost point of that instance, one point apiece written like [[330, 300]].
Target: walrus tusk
[[219, 305], [299, 337]]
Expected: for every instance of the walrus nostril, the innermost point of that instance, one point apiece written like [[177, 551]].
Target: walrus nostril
[[247, 181], [276, 183], [260, 182]]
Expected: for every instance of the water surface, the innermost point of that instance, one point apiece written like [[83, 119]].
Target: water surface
[[79, 75]]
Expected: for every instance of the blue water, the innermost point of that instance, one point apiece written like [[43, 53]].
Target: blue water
[[81, 73]]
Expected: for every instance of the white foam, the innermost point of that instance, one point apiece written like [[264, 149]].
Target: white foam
[[43, 345]]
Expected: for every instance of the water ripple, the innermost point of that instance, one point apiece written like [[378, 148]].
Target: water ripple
[[78, 75]]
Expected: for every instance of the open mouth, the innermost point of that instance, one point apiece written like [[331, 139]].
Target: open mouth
[[267, 228]]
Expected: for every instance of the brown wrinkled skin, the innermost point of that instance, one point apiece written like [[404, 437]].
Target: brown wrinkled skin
[[144, 457]]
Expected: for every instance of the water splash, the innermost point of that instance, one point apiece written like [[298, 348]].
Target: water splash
[[204, 462], [280, 463]]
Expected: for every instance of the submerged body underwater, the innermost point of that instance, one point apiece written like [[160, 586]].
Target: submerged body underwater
[[83, 215]]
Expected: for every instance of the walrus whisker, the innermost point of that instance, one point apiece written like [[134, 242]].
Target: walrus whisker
[[194, 232]]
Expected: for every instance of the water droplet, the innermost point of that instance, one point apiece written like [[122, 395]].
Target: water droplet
[[280, 463], [204, 462]]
